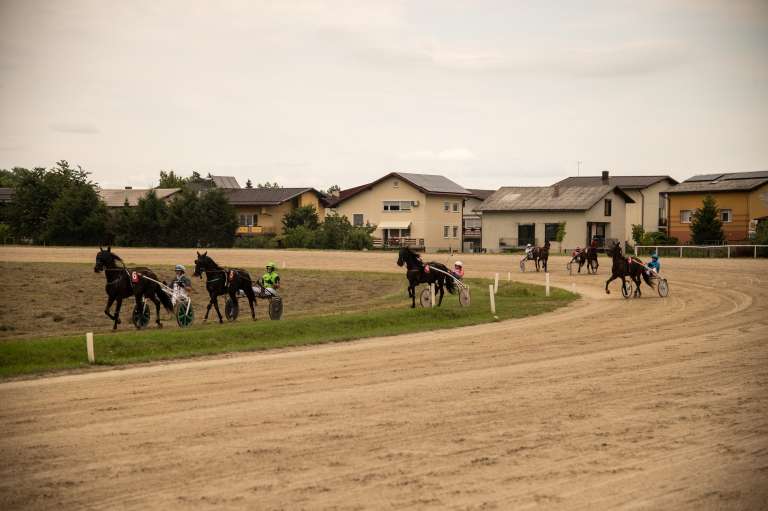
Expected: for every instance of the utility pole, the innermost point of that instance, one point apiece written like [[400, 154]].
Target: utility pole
[[578, 167]]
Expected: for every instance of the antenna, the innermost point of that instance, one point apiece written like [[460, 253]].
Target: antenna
[[578, 167]]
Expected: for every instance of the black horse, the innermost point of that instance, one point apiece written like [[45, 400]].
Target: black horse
[[221, 281], [123, 282], [623, 267], [541, 255], [592, 264], [420, 273]]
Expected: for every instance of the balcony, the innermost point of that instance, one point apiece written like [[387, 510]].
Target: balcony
[[473, 233], [253, 230], [393, 242]]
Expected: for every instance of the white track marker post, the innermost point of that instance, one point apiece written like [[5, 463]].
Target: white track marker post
[[496, 283], [509, 276], [493, 299], [432, 293], [573, 287], [89, 347], [546, 280], [284, 266]]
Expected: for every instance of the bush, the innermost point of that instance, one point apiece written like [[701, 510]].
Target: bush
[[258, 241], [299, 237], [658, 238]]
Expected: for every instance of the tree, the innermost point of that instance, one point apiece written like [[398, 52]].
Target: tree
[[333, 190], [171, 180], [249, 184], [706, 226], [9, 178], [761, 235], [637, 233], [150, 217], [219, 220], [77, 217], [304, 215], [560, 234], [268, 185]]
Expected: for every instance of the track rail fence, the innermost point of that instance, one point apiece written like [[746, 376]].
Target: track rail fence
[[725, 251]]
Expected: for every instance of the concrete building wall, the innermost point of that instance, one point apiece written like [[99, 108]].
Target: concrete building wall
[[645, 210]]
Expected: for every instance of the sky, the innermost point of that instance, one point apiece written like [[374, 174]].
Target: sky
[[316, 93]]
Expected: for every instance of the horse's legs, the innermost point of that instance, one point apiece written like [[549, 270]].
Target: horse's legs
[[613, 277], [216, 306], [412, 292], [156, 301], [117, 312], [537, 263], [208, 309], [110, 301], [439, 285], [251, 300]]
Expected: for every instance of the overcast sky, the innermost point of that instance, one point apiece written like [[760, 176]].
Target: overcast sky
[[320, 93]]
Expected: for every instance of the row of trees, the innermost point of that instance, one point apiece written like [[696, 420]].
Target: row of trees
[[302, 229]]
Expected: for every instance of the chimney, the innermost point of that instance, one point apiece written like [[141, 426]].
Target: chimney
[[129, 188], [556, 191], [605, 177]]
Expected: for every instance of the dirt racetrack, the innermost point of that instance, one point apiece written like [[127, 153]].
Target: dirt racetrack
[[636, 404]]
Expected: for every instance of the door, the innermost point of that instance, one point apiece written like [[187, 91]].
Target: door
[[526, 233]]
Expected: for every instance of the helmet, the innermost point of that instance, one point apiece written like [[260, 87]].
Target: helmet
[[180, 267], [654, 256], [459, 264], [528, 245], [271, 265]]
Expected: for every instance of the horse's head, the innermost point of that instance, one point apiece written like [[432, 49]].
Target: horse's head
[[402, 255], [546, 244], [105, 259], [408, 258], [614, 250], [203, 263]]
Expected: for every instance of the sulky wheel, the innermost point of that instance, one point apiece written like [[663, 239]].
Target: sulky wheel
[[425, 298], [626, 288], [663, 288], [231, 309], [275, 308], [464, 297], [140, 316], [522, 265], [184, 315], [570, 268]]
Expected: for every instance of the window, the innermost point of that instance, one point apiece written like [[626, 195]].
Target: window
[[446, 229], [455, 231], [242, 220], [395, 184], [357, 219], [446, 206], [726, 216], [455, 207], [550, 232], [685, 216], [607, 207], [397, 205], [247, 220], [526, 233]]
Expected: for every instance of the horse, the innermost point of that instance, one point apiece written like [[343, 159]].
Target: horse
[[623, 267], [537, 255], [123, 283], [419, 273], [592, 264], [220, 281], [578, 256]]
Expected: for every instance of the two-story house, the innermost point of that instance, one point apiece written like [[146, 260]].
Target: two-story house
[[424, 211], [261, 210], [742, 198]]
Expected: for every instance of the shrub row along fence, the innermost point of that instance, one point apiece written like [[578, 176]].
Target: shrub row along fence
[[720, 251]]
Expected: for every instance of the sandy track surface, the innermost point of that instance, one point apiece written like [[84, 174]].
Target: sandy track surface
[[609, 403]]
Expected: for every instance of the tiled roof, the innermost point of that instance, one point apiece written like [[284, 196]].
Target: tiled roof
[[628, 182], [6, 194], [733, 182], [225, 182], [480, 194], [542, 198], [115, 198], [428, 183], [264, 196]]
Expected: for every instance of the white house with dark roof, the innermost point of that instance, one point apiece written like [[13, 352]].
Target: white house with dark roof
[[649, 194], [515, 216], [419, 210], [119, 197]]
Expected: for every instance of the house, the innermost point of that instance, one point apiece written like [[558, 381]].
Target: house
[[261, 210], [515, 216], [742, 198], [117, 198], [226, 182], [424, 211], [6, 195], [472, 219], [649, 194]]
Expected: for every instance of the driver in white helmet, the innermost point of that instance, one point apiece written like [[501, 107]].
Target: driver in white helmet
[[181, 280], [458, 270]]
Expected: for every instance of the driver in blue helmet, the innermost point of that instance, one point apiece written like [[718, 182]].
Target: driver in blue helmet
[[654, 265]]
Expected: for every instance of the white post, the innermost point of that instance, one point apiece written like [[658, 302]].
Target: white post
[[573, 287], [432, 293], [755, 251], [493, 299], [89, 347], [729, 251], [283, 263], [546, 280], [496, 283], [681, 251], [509, 275]]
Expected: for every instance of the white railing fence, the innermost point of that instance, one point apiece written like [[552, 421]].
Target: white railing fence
[[726, 251]]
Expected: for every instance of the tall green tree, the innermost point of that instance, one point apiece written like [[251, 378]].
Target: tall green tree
[[219, 220], [170, 179], [706, 226], [77, 217], [305, 216], [151, 216]]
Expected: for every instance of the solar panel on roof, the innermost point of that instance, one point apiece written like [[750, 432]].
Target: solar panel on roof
[[703, 177], [763, 174]]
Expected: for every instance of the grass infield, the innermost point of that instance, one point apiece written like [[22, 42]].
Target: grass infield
[[34, 356]]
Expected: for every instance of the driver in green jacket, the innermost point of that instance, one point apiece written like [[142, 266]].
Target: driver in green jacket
[[271, 279]]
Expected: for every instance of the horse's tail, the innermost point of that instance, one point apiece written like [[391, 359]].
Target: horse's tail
[[450, 285], [165, 299], [647, 278]]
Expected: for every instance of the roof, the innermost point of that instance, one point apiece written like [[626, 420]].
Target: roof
[[480, 194], [733, 182], [6, 194], [264, 196], [394, 224], [627, 182], [541, 198], [115, 198], [225, 182], [431, 184]]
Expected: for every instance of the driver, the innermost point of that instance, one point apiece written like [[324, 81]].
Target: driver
[[654, 265], [458, 270], [271, 279], [181, 279]]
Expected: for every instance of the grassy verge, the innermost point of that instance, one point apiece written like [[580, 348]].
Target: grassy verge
[[514, 300]]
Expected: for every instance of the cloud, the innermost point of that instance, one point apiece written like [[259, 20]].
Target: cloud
[[452, 154], [75, 127]]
